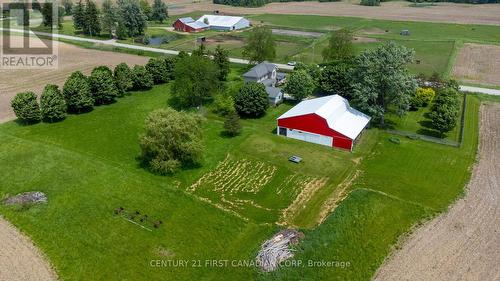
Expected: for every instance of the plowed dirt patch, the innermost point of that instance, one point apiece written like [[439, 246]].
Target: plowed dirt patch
[[479, 64], [463, 243], [19, 259]]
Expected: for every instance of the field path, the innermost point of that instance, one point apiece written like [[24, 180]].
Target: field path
[[463, 243], [19, 258]]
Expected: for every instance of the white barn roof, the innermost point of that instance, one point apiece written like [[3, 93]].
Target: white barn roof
[[224, 21], [336, 111]]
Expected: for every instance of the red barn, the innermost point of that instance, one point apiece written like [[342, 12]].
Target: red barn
[[189, 25], [327, 121]]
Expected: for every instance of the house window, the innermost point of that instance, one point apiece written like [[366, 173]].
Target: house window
[[282, 131]]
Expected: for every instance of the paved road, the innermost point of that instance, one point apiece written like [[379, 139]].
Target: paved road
[[129, 46], [480, 90]]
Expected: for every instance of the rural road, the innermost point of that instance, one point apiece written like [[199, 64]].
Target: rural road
[[128, 46], [480, 90]]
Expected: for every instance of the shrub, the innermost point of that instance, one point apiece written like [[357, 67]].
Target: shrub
[[52, 103], [395, 140], [422, 97], [172, 140], [161, 69], [223, 104], [124, 78], [251, 100], [25, 106], [103, 85], [77, 93], [142, 79], [232, 125]]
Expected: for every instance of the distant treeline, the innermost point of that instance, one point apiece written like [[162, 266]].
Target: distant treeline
[[258, 3], [458, 1]]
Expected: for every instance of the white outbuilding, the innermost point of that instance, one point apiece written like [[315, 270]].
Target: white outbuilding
[[224, 23]]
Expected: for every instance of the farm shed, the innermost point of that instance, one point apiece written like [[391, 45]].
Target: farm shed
[[224, 23], [327, 121], [189, 25]]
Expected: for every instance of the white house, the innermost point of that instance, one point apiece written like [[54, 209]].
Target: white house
[[224, 23]]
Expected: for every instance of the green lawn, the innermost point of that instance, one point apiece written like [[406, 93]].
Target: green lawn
[[87, 165], [417, 122], [400, 185]]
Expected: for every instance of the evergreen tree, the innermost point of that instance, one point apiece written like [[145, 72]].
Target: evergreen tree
[[232, 124], [91, 25], [77, 93], [103, 86], [26, 108], [160, 11], [123, 78], [221, 59], [146, 9], [68, 7], [79, 16], [109, 18], [52, 104]]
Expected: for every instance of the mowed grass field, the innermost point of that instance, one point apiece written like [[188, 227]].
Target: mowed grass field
[[243, 193]]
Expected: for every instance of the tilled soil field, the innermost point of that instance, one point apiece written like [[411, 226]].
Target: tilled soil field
[[461, 244], [478, 64], [71, 58], [19, 259], [397, 10]]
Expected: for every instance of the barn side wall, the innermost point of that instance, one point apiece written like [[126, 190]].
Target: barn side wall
[[315, 124]]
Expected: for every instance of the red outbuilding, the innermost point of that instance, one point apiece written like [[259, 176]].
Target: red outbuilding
[[189, 25], [327, 121]]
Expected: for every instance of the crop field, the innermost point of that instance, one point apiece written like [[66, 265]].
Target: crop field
[[478, 64]]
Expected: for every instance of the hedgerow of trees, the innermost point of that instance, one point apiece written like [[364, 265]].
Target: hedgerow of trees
[[257, 3]]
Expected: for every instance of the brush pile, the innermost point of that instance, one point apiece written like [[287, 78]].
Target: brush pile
[[277, 249]]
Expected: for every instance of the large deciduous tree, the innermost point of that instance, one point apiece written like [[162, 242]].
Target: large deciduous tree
[[251, 100], [299, 84], [52, 104], [133, 20], [77, 93], [172, 140], [160, 11], [196, 79], [340, 46], [260, 45], [382, 80], [336, 78]]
